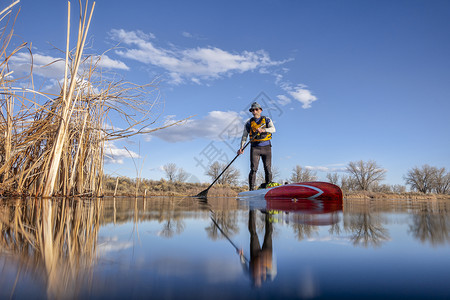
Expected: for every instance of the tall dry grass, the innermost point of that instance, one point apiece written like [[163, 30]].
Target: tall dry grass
[[54, 144]]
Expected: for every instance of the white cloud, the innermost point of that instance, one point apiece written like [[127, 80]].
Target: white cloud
[[111, 244], [283, 100], [187, 34], [303, 95], [43, 65], [298, 92], [114, 155], [53, 67], [201, 63], [328, 168], [107, 62], [217, 125]]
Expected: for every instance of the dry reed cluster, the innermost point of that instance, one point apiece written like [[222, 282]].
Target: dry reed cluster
[[54, 144]]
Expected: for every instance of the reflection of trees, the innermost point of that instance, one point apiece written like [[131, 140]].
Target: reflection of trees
[[170, 215], [227, 221], [366, 228], [172, 227], [56, 239], [306, 224], [161, 209], [335, 229], [303, 231], [167, 211], [429, 227]]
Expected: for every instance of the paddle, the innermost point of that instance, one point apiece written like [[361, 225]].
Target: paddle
[[238, 250], [213, 213], [204, 193]]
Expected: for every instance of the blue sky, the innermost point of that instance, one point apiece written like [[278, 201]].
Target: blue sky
[[342, 80]]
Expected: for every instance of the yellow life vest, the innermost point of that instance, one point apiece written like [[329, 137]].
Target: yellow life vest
[[254, 135]]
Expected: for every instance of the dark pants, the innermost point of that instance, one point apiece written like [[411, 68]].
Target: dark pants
[[265, 152]]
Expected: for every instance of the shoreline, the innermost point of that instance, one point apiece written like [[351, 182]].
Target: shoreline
[[233, 192], [175, 189], [354, 195]]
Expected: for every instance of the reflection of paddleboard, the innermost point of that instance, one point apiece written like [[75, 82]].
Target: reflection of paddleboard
[[302, 190], [311, 203], [316, 219], [304, 206]]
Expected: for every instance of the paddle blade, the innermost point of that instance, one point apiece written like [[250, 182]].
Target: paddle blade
[[202, 194]]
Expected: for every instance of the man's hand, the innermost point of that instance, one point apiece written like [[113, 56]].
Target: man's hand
[[260, 130], [240, 151]]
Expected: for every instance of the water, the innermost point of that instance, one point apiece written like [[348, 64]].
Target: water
[[181, 248]]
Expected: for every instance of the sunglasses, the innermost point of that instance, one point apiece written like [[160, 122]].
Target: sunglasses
[[254, 109]]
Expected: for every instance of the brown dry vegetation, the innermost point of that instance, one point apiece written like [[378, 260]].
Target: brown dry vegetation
[[53, 144], [407, 195], [123, 186]]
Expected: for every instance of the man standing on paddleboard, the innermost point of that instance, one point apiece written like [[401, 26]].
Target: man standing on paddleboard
[[260, 129]]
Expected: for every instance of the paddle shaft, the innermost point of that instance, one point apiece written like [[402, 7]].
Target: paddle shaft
[[205, 192], [245, 146], [238, 250]]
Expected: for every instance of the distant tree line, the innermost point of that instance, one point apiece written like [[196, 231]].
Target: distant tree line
[[359, 176], [367, 176], [230, 176]]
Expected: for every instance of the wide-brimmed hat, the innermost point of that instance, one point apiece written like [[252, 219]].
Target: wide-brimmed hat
[[255, 105]]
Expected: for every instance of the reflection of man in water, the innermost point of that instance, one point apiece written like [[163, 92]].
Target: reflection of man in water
[[261, 265]]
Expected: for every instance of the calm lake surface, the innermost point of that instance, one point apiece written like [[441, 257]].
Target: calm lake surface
[[223, 248]]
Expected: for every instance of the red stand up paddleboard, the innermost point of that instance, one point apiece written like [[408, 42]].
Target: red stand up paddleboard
[[302, 190]]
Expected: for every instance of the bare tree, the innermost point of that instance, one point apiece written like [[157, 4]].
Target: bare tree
[[398, 188], [260, 177], [182, 175], [366, 173], [348, 183], [441, 181], [300, 174], [333, 178], [421, 179], [171, 170], [230, 176]]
